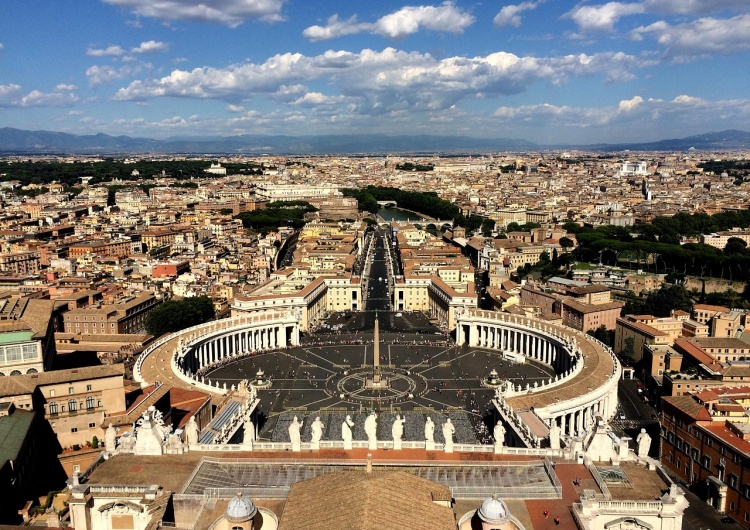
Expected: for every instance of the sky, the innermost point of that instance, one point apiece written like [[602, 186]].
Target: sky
[[548, 71]]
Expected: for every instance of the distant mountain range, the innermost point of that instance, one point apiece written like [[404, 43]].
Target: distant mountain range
[[17, 141]]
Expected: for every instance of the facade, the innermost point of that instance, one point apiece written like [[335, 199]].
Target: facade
[[705, 439], [20, 353], [128, 316], [76, 402], [20, 263]]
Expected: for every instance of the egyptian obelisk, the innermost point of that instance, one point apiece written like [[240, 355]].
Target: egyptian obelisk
[[376, 353]]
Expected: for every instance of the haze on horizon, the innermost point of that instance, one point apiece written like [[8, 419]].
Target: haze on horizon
[[544, 71]]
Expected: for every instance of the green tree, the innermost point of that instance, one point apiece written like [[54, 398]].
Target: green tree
[[95, 442], [629, 350], [566, 243], [603, 334], [735, 245], [669, 297], [175, 315]]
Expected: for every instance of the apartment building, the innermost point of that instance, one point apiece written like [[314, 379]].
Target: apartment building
[[128, 315], [705, 439]]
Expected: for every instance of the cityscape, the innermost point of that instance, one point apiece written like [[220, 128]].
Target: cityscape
[[528, 339], [305, 265]]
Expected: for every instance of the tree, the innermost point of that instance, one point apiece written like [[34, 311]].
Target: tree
[[566, 243], [669, 297], [176, 315], [629, 349], [603, 334], [513, 227], [95, 442], [735, 245]]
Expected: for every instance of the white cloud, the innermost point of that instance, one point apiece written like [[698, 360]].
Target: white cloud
[[626, 105], [337, 28], [628, 120], [693, 7], [1, 46], [602, 17], [510, 15], [383, 80], [231, 13], [8, 93], [316, 99], [700, 38], [62, 96], [110, 51], [36, 98], [151, 46], [446, 18], [235, 108], [99, 75]]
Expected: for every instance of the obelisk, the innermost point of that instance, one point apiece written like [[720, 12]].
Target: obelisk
[[376, 363]]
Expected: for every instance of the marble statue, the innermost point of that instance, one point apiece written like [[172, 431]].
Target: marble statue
[[317, 431], [644, 443], [126, 443], [109, 439], [397, 431], [448, 430], [371, 430], [429, 430], [248, 428], [554, 436], [295, 434], [346, 432], [191, 431], [499, 434]]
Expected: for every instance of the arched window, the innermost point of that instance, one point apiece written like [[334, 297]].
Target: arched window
[[32, 371], [72, 405], [90, 402], [16, 372], [53, 407]]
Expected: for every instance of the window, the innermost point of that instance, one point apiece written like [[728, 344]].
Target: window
[[88, 388], [53, 407], [72, 405], [52, 393], [92, 425], [70, 390], [732, 481], [746, 491], [706, 461], [74, 429], [90, 402]]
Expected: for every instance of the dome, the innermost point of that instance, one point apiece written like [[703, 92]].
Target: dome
[[493, 510], [240, 509]]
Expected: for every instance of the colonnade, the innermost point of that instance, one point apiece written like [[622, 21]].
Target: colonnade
[[573, 413], [530, 342]]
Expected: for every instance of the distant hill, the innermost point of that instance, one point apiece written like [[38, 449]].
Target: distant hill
[[39, 142], [713, 141], [17, 141]]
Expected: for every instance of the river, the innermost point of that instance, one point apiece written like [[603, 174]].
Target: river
[[397, 214]]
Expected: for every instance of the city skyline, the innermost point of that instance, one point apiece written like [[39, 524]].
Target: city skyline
[[544, 71]]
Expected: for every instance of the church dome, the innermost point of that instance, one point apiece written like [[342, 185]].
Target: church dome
[[240, 509], [493, 510]]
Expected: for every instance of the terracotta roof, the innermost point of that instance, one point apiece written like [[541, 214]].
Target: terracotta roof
[[367, 501], [690, 406]]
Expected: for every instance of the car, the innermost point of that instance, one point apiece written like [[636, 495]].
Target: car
[[399, 314], [727, 520], [622, 415]]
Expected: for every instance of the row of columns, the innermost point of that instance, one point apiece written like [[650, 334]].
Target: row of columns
[[575, 422], [231, 344], [533, 346]]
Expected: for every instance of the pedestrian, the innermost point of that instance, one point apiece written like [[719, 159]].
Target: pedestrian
[[546, 514], [557, 520]]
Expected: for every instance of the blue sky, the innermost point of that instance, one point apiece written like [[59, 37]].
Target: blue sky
[[547, 71]]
